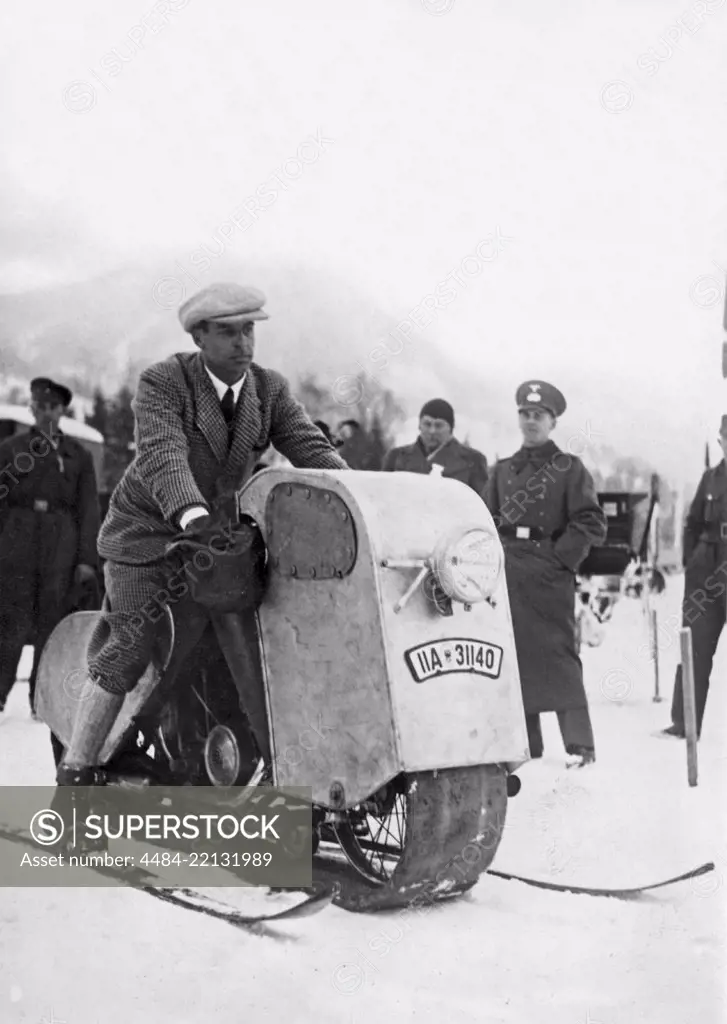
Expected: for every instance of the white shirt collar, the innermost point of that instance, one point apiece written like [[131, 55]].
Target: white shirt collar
[[221, 388]]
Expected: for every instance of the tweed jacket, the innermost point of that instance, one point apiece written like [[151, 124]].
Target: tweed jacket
[[185, 455]]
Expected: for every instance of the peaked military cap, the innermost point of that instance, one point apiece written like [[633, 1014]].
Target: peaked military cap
[[538, 394], [223, 303], [43, 389]]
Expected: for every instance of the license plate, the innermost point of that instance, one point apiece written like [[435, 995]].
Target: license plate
[[457, 655]]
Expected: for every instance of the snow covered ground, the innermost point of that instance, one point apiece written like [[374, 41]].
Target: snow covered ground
[[505, 953]]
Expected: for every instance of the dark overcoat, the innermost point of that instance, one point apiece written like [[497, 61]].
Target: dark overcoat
[[702, 533], [704, 606], [49, 521], [704, 556], [186, 456], [552, 491], [457, 460]]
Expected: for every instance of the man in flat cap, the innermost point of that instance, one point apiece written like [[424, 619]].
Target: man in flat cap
[[437, 450], [202, 421], [49, 521], [544, 503], [704, 556]]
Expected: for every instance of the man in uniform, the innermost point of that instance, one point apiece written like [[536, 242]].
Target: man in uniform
[[705, 583], [544, 504], [202, 421], [436, 450], [49, 521]]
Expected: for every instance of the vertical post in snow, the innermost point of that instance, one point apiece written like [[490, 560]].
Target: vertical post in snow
[[690, 717], [655, 654]]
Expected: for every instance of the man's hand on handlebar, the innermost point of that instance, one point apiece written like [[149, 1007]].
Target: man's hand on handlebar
[[198, 527], [198, 514]]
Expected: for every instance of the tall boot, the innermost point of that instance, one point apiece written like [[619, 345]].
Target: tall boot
[[99, 711], [78, 771]]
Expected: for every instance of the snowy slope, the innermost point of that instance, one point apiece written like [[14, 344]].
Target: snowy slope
[[506, 953]]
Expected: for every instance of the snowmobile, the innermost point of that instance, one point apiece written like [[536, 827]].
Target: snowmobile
[[384, 646]]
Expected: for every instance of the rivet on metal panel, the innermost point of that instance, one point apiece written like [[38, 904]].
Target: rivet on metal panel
[[312, 572], [307, 492], [293, 571], [344, 516], [327, 497], [289, 489]]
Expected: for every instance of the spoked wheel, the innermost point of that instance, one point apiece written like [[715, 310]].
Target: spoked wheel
[[373, 835], [426, 835]]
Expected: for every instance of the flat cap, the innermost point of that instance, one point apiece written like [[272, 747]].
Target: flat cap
[[539, 394], [222, 303], [43, 389]]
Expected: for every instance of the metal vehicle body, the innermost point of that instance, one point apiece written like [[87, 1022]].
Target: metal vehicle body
[[385, 644]]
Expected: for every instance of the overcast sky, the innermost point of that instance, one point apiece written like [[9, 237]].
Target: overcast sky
[[592, 135]]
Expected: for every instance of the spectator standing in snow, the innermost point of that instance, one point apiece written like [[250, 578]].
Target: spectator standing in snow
[[705, 583]]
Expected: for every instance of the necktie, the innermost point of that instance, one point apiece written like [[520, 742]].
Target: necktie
[[228, 407]]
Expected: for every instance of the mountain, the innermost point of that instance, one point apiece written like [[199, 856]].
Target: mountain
[[102, 331], [105, 330]]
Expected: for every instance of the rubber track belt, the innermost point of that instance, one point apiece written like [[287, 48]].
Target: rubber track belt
[[454, 824]]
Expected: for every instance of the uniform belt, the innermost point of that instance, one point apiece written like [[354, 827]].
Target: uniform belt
[[716, 535], [528, 533]]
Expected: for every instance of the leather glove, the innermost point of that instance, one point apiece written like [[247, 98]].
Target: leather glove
[[196, 535], [198, 526]]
